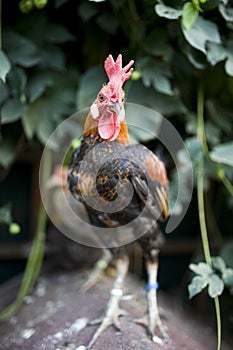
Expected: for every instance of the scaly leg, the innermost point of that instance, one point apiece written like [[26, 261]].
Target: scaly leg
[[112, 312], [97, 271], [152, 319]]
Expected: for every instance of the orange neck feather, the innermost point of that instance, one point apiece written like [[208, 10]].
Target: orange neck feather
[[91, 128]]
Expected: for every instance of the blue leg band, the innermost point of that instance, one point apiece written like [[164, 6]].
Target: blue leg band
[[152, 286]]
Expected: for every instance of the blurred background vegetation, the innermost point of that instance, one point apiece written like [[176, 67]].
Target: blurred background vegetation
[[51, 59]]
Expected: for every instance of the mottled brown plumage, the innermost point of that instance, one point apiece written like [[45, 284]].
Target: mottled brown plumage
[[120, 183], [99, 166]]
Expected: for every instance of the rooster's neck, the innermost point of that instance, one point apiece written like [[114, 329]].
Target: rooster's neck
[[91, 128], [123, 136]]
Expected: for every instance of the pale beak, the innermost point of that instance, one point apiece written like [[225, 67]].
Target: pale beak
[[115, 107]]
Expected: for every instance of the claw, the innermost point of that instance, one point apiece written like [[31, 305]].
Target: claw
[[151, 327], [113, 312]]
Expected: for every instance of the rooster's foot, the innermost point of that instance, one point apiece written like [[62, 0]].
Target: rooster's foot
[[153, 323], [113, 311]]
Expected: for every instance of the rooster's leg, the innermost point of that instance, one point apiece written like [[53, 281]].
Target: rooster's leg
[[98, 269], [112, 312], [152, 319]]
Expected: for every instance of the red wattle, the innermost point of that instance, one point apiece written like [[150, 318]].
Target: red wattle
[[108, 126]]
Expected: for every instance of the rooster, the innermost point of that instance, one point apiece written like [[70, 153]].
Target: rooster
[[121, 185]]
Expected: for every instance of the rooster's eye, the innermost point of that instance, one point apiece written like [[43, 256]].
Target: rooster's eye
[[101, 97]]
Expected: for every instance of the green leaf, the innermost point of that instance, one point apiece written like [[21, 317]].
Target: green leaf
[[195, 57], [226, 12], [201, 32], [195, 149], [156, 43], [5, 214], [156, 74], [197, 284], [11, 111], [201, 269], [143, 123], [87, 11], [3, 92], [215, 286], [227, 253], [213, 133], [38, 84], [190, 14], [167, 11], [49, 108], [17, 80], [164, 104], [229, 61], [31, 118], [223, 153], [21, 50], [53, 57], [227, 277], [196, 4], [58, 34], [45, 130], [5, 66], [220, 115], [218, 263], [215, 53], [7, 152], [59, 3], [90, 84]]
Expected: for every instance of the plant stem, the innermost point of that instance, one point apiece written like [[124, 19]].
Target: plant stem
[[218, 319], [227, 184], [201, 211], [35, 259], [200, 119], [200, 197], [29, 275], [200, 179]]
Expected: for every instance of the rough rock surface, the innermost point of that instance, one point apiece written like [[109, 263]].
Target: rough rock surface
[[54, 317]]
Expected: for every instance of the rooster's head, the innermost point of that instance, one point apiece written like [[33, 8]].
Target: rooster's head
[[108, 108]]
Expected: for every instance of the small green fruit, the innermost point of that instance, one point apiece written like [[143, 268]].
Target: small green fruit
[[136, 75], [14, 228], [220, 173], [26, 6], [40, 4]]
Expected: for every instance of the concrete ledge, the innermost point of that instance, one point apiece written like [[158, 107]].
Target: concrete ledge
[[55, 315]]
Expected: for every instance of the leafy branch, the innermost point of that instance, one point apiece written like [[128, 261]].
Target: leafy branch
[[206, 275], [209, 277]]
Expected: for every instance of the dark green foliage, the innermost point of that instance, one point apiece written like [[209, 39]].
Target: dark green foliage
[[43, 55]]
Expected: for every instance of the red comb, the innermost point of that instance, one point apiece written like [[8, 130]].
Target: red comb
[[115, 68], [117, 74]]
